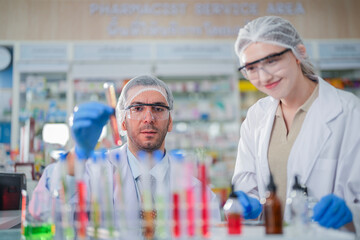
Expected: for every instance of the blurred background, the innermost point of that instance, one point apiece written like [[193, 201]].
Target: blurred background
[[55, 54]]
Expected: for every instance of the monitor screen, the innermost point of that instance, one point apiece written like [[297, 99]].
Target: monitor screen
[[11, 185]]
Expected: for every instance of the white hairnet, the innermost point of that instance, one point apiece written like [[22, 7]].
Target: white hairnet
[[139, 85], [274, 30]]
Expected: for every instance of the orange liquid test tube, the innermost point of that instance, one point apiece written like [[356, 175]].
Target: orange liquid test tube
[[111, 100]]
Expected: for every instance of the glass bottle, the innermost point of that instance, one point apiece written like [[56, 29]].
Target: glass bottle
[[233, 212], [272, 210]]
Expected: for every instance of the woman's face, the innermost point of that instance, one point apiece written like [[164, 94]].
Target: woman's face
[[275, 76]]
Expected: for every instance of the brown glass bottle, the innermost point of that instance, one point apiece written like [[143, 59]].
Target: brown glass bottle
[[272, 210]]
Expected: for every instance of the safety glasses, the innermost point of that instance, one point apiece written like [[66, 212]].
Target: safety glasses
[[139, 111], [270, 64]]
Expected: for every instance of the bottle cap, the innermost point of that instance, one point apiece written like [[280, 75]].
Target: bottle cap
[[158, 156], [117, 157], [232, 194], [141, 155], [271, 187], [297, 185], [178, 155], [62, 156]]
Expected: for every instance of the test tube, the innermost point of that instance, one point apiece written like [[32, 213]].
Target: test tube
[[67, 229], [177, 191], [190, 213], [109, 219], [63, 172], [149, 226], [111, 100], [120, 196], [23, 210], [204, 199], [95, 195], [161, 204], [81, 189]]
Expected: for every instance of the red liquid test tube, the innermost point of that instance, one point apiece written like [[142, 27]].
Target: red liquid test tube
[[111, 100]]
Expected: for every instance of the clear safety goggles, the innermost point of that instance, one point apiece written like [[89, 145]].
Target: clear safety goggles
[[270, 64], [139, 111]]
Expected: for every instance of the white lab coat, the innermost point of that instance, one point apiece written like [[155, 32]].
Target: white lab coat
[[325, 155], [50, 181]]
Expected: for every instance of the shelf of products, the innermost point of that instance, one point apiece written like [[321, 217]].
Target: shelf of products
[[43, 97], [203, 99], [249, 95], [205, 116], [92, 89], [42, 100], [5, 105], [348, 80]]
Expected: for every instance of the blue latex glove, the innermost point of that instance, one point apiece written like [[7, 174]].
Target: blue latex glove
[[332, 212], [252, 206], [88, 122]]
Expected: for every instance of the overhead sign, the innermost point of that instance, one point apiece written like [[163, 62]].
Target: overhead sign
[[112, 51], [97, 20], [339, 50], [175, 51], [177, 25], [43, 52]]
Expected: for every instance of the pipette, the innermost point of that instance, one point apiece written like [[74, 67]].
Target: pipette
[[111, 100]]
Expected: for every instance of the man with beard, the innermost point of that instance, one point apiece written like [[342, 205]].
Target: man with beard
[[143, 112]]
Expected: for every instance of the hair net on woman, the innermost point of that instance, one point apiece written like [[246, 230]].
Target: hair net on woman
[[273, 30], [139, 85]]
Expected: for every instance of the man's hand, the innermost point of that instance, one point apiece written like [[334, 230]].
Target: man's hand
[[332, 212], [88, 122], [252, 207]]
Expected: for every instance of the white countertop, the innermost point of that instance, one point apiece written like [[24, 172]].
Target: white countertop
[[9, 219]]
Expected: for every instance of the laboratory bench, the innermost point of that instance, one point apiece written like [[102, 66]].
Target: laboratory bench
[[218, 231]]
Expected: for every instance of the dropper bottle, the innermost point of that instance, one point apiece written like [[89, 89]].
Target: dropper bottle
[[298, 203], [233, 212], [272, 210]]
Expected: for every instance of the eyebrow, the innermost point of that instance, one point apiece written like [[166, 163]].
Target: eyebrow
[[157, 103], [264, 58]]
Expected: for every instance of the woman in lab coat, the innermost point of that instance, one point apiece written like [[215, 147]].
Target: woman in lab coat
[[305, 127]]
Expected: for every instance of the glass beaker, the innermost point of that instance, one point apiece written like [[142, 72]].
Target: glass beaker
[[38, 224]]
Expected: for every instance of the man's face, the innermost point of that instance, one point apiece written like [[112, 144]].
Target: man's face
[[147, 133]]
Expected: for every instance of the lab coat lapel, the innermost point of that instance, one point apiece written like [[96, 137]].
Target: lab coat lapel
[[264, 138], [314, 133]]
